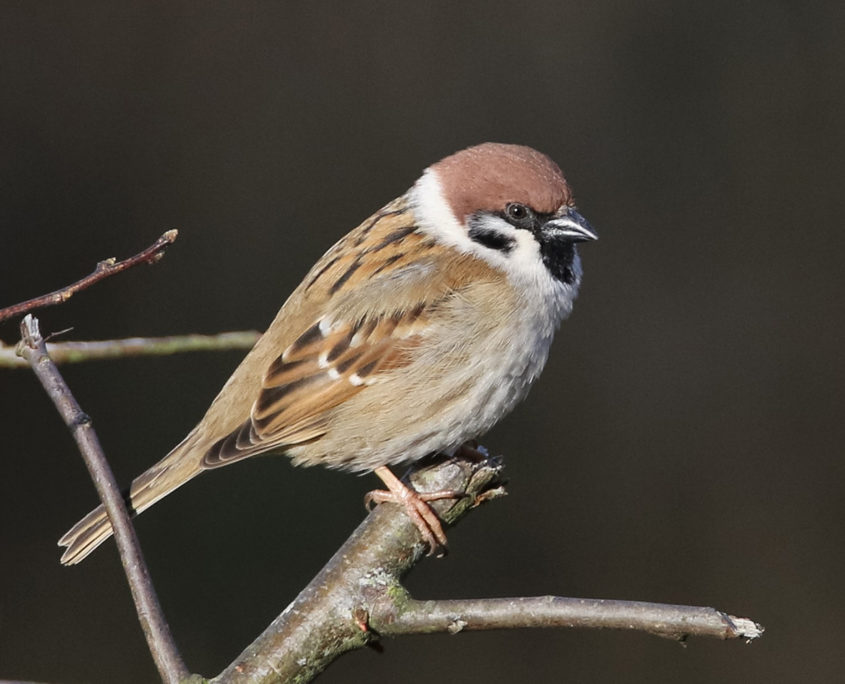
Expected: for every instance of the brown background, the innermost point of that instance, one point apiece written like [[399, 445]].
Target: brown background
[[685, 442]]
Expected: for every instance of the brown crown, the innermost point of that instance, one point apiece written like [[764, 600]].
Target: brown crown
[[489, 176]]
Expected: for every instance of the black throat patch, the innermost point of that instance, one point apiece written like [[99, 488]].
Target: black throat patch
[[558, 256]]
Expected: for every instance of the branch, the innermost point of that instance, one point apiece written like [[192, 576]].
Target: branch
[[358, 595], [393, 616], [76, 352], [330, 616], [104, 269], [155, 628]]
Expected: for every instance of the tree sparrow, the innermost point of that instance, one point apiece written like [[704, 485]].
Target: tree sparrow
[[416, 332]]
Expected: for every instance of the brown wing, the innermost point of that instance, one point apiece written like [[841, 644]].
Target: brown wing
[[325, 366], [354, 339]]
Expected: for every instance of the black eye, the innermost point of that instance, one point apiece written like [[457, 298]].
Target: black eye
[[517, 212]]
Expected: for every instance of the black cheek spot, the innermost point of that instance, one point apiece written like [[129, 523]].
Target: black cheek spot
[[491, 239]]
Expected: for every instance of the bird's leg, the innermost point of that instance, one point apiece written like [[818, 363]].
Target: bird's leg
[[416, 506], [472, 451]]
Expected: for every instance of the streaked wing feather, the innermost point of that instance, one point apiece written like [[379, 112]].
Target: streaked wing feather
[[371, 297], [297, 395], [330, 362]]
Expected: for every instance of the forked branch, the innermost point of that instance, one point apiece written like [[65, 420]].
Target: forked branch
[[358, 596], [163, 649]]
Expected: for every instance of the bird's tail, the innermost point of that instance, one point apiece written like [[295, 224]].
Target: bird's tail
[[171, 472]]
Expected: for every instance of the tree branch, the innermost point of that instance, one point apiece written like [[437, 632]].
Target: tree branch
[[395, 615], [358, 595], [104, 269], [76, 352], [331, 615], [155, 628]]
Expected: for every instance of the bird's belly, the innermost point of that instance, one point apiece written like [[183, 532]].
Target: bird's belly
[[418, 413]]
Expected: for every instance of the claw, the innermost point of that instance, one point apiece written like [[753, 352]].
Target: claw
[[416, 507]]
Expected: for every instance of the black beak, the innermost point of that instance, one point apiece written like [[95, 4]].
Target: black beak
[[570, 225]]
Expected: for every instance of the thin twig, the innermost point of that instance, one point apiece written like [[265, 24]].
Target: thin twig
[[104, 269], [163, 649], [77, 352], [393, 617]]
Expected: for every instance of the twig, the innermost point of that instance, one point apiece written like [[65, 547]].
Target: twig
[[393, 617], [104, 269], [358, 595], [163, 649], [76, 352]]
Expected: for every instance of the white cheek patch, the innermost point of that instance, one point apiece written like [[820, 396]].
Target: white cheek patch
[[522, 254], [547, 299], [522, 262], [434, 214]]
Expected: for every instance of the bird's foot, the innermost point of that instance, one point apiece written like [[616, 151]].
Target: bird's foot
[[415, 505]]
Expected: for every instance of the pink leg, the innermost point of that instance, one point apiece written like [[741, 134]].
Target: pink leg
[[415, 505]]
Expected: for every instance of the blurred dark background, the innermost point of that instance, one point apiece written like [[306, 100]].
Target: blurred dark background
[[685, 442]]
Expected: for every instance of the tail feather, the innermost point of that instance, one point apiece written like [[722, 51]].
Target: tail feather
[[165, 476], [85, 536]]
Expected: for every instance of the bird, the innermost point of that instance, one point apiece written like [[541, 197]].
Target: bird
[[414, 334]]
